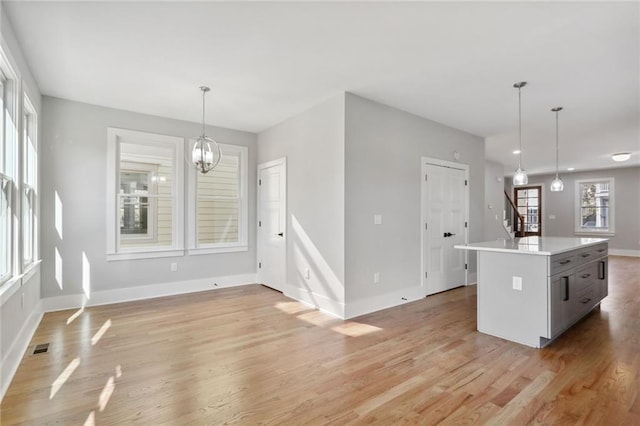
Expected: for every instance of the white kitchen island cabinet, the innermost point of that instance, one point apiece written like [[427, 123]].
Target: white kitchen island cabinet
[[532, 289]]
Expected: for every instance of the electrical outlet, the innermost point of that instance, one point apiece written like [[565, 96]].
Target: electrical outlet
[[517, 283], [376, 277], [174, 267], [377, 219]]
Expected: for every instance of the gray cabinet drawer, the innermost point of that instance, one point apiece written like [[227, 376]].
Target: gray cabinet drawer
[[586, 275], [585, 299], [562, 262], [591, 253]]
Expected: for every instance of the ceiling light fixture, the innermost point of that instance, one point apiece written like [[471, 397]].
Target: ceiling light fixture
[[556, 184], [520, 176], [517, 151], [621, 156], [206, 152], [571, 168]]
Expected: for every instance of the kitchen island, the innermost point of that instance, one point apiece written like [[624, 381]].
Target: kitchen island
[[532, 289]]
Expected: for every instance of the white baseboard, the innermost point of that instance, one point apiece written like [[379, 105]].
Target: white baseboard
[[383, 301], [13, 357], [619, 252], [128, 294], [318, 301]]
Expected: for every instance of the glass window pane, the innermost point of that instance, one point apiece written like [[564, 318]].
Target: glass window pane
[[145, 196], [4, 228], [27, 226], [146, 221], [217, 221], [218, 203]]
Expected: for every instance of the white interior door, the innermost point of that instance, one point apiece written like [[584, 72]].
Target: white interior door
[[444, 211], [272, 224]]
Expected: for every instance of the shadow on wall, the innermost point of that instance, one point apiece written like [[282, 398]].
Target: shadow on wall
[[312, 271]]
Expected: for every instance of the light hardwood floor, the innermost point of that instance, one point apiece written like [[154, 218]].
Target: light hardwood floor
[[249, 355]]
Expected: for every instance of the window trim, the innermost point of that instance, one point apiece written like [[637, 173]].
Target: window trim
[[10, 81], [243, 215], [114, 137], [610, 231]]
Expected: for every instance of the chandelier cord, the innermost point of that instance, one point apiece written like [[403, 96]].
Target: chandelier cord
[[557, 150], [520, 127], [204, 92]]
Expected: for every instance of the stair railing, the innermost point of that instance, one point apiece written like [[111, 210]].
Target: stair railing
[[518, 223]]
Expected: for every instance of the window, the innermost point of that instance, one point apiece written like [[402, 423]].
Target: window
[[29, 183], [594, 206], [144, 195], [218, 204], [8, 171], [528, 201]]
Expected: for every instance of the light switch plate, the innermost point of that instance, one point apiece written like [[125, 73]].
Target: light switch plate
[[377, 219], [517, 283]]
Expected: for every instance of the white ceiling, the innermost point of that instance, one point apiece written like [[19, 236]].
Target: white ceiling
[[454, 63]]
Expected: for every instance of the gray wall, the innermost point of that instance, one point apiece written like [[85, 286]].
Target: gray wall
[[384, 147], [74, 141], [627, 205], [493, 201], [313, 143]]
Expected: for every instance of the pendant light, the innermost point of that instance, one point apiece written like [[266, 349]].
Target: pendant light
[[520, 176], [206, 152], [556, 184]]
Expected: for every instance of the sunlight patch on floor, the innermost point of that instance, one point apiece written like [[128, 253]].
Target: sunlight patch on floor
[[91, 419], [355, 329], [291, 307], [106, 393], [75, 315], [62, 378], [96, 337]]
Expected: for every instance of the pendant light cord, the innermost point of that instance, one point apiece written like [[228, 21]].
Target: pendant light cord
[[520, 127], [557, 150], [204, 92]]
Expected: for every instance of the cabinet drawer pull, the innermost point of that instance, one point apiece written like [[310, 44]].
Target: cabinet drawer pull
[[564, 262], [566, 289], [601, 270], [585, 275], [585, 255], [585, 300], [601, 250]]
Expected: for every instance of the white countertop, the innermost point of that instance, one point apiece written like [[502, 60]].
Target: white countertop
[[545, 246]]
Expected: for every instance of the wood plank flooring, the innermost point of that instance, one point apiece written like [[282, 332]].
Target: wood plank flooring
[[249, 355]]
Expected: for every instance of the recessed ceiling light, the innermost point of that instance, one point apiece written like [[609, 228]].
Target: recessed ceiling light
[[621, 156], [571, 168], [516, 152]]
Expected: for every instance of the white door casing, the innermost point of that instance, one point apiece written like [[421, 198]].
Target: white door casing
[[272, 224], [445, 219]]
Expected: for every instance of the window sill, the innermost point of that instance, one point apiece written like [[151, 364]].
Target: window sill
[[215, 250], [595, 233], [13, 284], [133, 255], [30, 270]]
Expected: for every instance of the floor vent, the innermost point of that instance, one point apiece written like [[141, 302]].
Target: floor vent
[[42, 348]]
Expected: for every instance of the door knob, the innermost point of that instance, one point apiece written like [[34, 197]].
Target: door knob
[[448, 234], [281, 234]]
